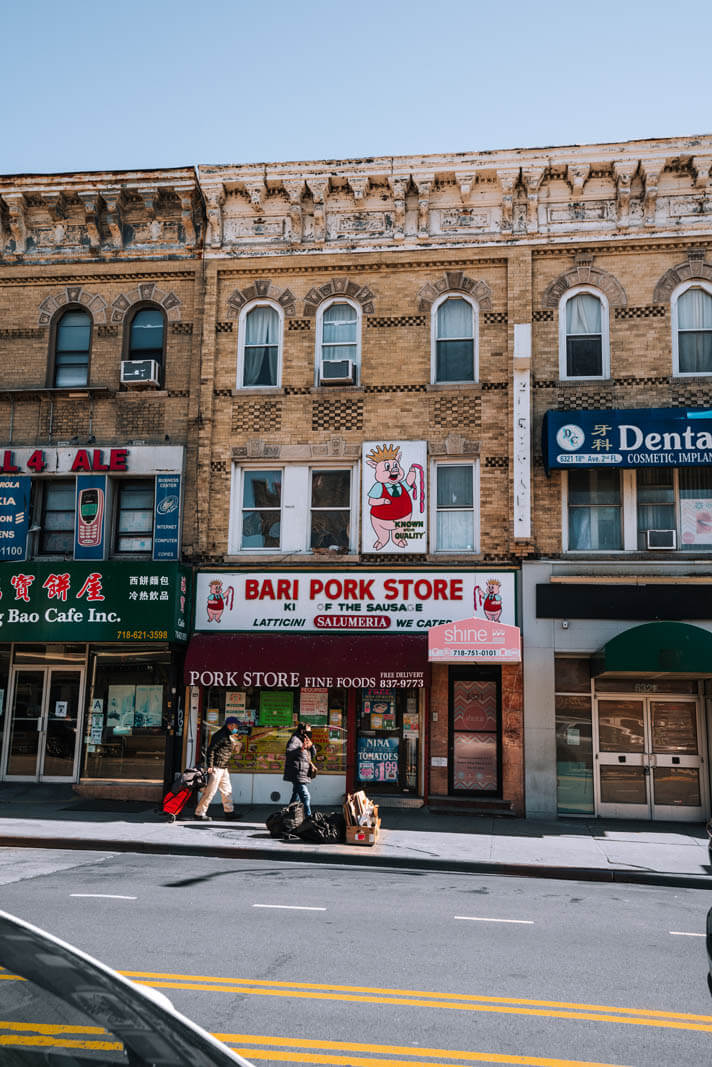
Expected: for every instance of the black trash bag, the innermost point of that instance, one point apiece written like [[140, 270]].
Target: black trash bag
[[337, 820], [317, 830], [286, 820]]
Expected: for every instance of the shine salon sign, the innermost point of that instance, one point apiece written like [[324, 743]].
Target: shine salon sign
[[627, 437]]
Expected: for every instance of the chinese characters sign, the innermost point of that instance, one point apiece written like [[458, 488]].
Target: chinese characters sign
[[632, 437], [62, 601]]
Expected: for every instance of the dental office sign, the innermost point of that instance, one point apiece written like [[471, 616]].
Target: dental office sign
[[627, 437]]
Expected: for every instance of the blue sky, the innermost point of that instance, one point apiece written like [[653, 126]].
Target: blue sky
[[160, 83]]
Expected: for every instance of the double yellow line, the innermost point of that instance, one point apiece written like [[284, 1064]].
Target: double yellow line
[[284, 1050], [418, 998]]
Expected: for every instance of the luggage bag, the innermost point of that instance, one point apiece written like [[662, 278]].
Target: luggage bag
[[184, 786]]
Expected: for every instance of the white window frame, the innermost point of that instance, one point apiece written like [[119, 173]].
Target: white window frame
[[605, 335], [241, 334], [320, 336], [695, 283], [629, 519], [434, 338], [295, 510], [435, 466]]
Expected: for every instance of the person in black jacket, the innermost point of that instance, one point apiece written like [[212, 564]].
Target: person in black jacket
[[297, 761], [224, 745]]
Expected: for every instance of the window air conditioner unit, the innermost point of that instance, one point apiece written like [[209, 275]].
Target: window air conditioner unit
[[338, 372], [140, 372], [661, 539]]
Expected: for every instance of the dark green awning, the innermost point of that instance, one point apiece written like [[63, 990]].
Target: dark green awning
[[660, 647]]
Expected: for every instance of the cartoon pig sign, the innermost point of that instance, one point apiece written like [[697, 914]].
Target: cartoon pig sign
[[394, 515]]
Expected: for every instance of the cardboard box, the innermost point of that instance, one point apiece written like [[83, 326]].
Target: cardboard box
[[363, 835]]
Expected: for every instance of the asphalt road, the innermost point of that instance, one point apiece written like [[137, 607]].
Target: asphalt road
[[311, 964]]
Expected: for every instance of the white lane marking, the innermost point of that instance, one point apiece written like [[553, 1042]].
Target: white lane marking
[[477, 919], [684, 933], [288, 907], [104, 896]]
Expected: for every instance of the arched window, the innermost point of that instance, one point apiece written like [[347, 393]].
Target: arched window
[[147, 331], [692, 329], [338, 349], [583, 335], [72, 344], [260, 345], [454, 332]]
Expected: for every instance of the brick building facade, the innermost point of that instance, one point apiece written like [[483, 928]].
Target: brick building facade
[[447, 314], [100, 312]]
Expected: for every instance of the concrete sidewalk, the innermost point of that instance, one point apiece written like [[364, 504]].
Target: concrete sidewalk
[[673, 854]]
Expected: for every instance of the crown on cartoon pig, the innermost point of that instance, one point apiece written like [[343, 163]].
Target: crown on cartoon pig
[[383, 452]]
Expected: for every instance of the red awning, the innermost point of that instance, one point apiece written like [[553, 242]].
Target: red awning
[[278, 661]]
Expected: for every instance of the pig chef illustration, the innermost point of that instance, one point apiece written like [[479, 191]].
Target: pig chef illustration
[[389, 496], [218, 600]]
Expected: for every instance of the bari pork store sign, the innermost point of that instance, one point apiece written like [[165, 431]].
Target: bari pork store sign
[[628, 437], [353, 601]]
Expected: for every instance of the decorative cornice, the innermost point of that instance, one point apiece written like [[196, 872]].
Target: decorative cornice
[[72, 294], [261, 289], [146, 292], [693, 267], [454, 281]]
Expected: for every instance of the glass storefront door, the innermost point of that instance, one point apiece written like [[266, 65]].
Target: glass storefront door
[[475, 713], [649, 757], [387, 743], [43, 735]]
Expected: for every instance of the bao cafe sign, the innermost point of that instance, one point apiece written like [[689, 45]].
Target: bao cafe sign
[[350, 601], [113, 601], [627, 437]]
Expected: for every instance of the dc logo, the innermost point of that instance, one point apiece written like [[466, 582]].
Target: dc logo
[[570, 437]]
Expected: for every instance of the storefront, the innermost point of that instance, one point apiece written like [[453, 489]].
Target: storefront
[[618, 672], [348, 652], [90, 668]]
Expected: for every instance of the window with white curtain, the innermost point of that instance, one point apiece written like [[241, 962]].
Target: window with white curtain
[[455, 516], [454, 340], [338, 343], [260, 346], [693, 336], [611, 510], [583, 335], [594, 510]]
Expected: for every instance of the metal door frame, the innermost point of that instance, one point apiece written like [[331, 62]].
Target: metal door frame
[[47, 670], [649, 761]]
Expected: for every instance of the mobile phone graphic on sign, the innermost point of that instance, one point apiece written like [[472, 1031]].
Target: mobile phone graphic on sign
[[91, 512]]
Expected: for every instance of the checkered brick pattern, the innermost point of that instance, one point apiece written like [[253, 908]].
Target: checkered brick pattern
[[543, 315], [456, 412], [499, 462], [651, 311], [30, 334], [183, 329], [257, 416], [492, 318], [218, 466], [106, 330], [395, 388], [298, 324], [490, 387], [337, 415], [381, 322], [222, 392], [223, 327]]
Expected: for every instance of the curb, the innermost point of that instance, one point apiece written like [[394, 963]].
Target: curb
[[366, 858]]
